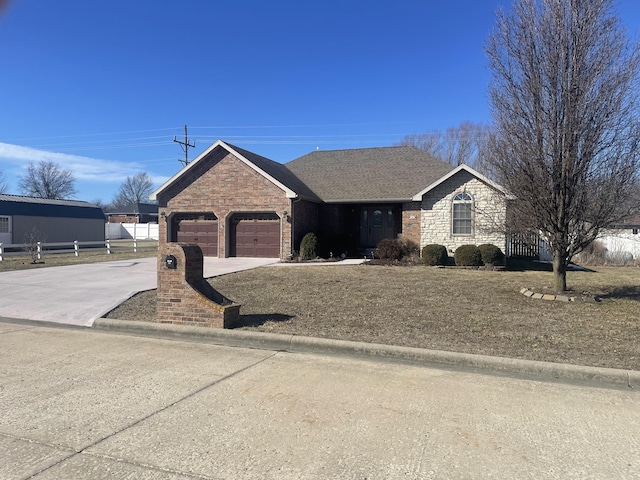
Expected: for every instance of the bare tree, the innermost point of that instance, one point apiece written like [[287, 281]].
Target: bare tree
[[47, 179], [459, 145], [3, 184], [564, 98], [134, 189], [429, 142]]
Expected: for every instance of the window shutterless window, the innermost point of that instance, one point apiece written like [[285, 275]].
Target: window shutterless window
[[461, 218]]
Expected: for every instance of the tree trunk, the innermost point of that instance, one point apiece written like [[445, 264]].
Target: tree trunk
[[559, 273]]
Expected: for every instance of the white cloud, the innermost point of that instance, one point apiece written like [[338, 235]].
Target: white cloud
[[83, 168]]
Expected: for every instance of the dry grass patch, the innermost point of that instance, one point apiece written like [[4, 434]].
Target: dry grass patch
[[471, 311], [123, 250]]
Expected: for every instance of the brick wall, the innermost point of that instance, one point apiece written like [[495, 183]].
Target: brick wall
[[223, 185], [488, 214], [123, 219], [411, 221], [184, 297], [305, 220]]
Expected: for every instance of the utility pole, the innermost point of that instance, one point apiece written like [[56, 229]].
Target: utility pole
[[185, 147]]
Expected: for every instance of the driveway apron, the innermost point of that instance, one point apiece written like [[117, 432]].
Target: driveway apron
[[79, 294]]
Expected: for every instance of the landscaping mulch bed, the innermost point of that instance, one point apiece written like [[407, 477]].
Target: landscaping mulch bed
[[460, 310]]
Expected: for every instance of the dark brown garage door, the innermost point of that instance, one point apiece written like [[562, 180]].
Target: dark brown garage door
[[255, 235], [203, 233]]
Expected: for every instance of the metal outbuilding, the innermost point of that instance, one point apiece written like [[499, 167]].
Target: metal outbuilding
[[53, 220]]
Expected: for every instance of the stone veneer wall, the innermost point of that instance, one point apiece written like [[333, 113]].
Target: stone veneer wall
[[184, 297], [223, 185], [489, 214]]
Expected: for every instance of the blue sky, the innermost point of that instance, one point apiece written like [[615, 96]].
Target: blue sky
[[102, 87]]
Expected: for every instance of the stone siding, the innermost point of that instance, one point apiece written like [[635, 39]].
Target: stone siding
[[489, 213], [223, 185]]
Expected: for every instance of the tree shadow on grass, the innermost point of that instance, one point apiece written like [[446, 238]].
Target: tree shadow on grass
[[527, 265], [260, 319], [627, 292], [524, 265]]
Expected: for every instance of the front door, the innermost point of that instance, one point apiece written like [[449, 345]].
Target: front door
[[376, 223]]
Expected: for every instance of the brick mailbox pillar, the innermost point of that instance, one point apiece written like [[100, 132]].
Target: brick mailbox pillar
[[184, 296]]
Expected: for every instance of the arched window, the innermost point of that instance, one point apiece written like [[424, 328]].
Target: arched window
[[461, 220]]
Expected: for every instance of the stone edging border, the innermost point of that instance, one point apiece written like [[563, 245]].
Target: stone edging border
[[545, 296]]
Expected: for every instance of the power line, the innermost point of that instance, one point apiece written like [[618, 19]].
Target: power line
[[185, 146]]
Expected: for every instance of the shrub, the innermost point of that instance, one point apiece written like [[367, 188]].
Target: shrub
[[409, 247], [594, 254], [491, 255], [309, 246], [389, 249], [468, 256], [31, 239], [434, 254]]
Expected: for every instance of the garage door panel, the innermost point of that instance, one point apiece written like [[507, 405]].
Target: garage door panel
[[255, 235], [203, 233]]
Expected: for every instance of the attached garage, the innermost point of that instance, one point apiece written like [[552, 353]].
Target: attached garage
[[198, 229], [255, 235]]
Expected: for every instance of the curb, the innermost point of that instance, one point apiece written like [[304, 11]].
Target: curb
[[298, 344]]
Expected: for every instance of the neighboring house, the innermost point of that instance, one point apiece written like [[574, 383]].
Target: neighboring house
[[233, 202], [630, 226], [134, 213], [53, 220]]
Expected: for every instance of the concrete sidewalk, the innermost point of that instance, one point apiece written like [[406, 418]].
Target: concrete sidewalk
[[546, 371], [78, 294], [89, 404]]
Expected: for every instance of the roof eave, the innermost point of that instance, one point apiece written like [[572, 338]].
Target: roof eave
[[418, 196], [370, 200]]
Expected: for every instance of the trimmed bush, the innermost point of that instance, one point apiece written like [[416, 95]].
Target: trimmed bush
[[309, 246], [389, 249], [491, 255], [468, 256], [434, 254]]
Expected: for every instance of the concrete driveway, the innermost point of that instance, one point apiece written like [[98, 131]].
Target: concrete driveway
[[78, 294]]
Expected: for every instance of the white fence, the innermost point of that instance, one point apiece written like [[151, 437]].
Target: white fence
[[620, 246], [625, 246], [140, 231], [38, 249]]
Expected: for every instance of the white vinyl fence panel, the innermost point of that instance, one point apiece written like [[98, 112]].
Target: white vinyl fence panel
[[620, 247], [139, 231]]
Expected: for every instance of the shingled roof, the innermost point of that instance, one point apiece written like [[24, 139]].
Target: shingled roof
[[368, 174]]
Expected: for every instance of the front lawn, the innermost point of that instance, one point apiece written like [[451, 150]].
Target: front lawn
[[471, 311]]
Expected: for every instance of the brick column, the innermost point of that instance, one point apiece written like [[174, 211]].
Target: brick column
[[185, 297]]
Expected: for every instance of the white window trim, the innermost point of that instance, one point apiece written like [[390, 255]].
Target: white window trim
[[464, 202], [8, 223]]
